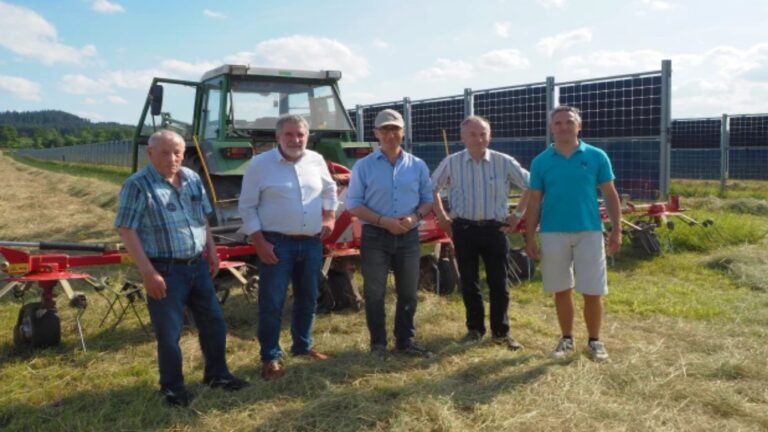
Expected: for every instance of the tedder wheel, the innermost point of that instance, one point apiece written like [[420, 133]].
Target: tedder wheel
[[436, 275], [645, 241], [519, 266], [37, 327]]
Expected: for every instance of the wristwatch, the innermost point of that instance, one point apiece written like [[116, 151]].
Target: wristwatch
[[518, 214]]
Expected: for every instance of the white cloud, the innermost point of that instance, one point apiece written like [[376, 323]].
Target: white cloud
[[659, 5], [104, 6], [116, 100], [134, 79], [186, 69], [502, 28], [83, 85], [89, 101], [241, 58], [446, 69], [503, 60], [558, 4], [378, 43], [213, 14], [722, 79], [306, 52], [22, 88], [28, 34], [549, 45]]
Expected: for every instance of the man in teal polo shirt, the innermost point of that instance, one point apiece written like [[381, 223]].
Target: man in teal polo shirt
[[564, 182]]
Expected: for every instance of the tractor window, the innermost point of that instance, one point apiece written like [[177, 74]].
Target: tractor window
[[210, 118], [177, 111], [258, 104]]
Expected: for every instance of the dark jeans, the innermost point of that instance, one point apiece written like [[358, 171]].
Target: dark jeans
[[472, 243], [379, 251], [299, 262], [189, 286]]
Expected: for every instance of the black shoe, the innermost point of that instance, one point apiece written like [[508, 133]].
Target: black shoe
[[227, 384], [414, 349], [380, 352], [179, 398], [472, 337], [509, 342]]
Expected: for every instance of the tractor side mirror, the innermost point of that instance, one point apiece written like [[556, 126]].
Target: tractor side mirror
[[156, 98]]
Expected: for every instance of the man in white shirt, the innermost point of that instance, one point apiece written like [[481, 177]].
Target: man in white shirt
[[288, 203]]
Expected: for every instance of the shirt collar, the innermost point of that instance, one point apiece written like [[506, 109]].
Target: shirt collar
[[466, 157], [378, 154], [579, 149]]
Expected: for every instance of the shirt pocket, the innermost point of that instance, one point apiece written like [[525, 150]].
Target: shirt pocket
[[197, 208]]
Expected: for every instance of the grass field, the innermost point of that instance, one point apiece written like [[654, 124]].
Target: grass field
[[686, 333]]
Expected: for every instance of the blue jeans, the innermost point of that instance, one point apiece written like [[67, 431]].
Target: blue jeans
[[379, 251], [299, 262], [189, 286]]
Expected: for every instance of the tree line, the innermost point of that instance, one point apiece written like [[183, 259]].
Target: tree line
[[51, 128]]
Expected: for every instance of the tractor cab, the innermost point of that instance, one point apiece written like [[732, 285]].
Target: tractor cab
[[230, 115]]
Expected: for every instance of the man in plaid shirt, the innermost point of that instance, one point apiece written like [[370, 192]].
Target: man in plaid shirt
[[162, 220]]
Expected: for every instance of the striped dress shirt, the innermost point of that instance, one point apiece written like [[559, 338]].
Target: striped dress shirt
[[170, 222], [478, 190]]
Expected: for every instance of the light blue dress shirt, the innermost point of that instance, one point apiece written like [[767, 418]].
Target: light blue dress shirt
[[389, 190]]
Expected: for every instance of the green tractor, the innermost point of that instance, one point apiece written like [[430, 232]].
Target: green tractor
[[230, 115]]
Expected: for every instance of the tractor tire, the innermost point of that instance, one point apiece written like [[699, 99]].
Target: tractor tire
[[519, 266], [35, 329], [436, 275]]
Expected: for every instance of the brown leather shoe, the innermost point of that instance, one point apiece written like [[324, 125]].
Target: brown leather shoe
[[272, 370], [314, 355]]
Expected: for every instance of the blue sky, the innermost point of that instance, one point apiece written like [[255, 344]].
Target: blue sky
[[96, 58]]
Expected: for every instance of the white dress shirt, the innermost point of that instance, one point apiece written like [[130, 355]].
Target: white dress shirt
[[287, 197]]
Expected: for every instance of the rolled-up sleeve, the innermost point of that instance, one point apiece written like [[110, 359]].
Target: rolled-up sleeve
[[356, 190], [425, 186], [328, 195], [249, 199]]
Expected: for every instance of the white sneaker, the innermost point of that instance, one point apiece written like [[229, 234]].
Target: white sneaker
[[563, 349], [597, 351]]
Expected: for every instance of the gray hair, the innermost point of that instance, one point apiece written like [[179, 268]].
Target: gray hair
[[565, 108], [163, 135], [474, 119], [290, 118]]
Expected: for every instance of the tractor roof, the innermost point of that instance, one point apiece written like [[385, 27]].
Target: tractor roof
[[269, 72]]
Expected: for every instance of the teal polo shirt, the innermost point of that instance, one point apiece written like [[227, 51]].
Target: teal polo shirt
[[569, 187]]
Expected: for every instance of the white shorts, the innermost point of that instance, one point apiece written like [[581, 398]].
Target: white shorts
[[581, 252]]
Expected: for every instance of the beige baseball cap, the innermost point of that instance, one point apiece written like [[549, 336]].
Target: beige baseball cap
[[389, 117]]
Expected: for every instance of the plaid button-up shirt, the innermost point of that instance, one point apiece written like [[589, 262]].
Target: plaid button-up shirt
[[170, 222]]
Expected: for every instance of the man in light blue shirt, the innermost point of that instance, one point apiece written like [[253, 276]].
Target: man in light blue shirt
[[288, 206], [564, 182], [390, 192]]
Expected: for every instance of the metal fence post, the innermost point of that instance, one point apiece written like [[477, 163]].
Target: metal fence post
[[469, 102], [725, 139], [360, 123], [550, 94], [665, 135], [408, 124]]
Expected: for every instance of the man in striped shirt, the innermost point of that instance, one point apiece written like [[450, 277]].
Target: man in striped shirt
[[478, 182], [162, 221]]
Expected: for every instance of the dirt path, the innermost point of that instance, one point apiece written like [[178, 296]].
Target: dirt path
[[37, 205]]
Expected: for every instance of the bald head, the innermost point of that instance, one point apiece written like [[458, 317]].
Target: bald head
[[165, 135]]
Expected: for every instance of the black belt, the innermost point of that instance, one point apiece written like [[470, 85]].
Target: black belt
[[291, 236], [177, 261], [490, 223]]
